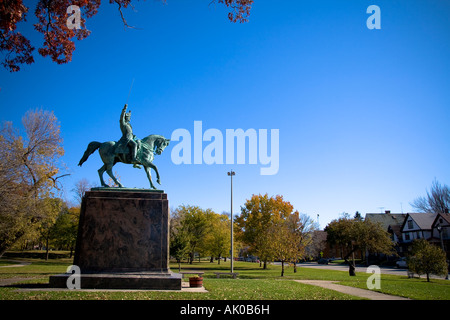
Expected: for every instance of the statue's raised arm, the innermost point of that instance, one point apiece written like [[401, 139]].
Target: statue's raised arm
[[127, 140], [124, 120]]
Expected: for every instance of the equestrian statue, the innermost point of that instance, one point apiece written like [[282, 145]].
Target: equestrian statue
[[129, 150]]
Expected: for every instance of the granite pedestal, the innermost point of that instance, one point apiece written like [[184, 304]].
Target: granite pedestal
[[123, 241]]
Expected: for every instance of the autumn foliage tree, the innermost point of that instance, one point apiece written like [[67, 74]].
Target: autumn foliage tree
[[427, 259], [357, 234], [257, 223], [63, 233], [217, 240], [283, 242], [29, 170], [59, 39], [194, 230], [273, 230]]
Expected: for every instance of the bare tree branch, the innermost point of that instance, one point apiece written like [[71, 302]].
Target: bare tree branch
[[437, 199]]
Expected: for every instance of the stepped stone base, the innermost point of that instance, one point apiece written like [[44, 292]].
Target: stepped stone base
[[143, 280], [123, 241]]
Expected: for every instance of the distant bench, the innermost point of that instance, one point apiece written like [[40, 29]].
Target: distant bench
[[192, 272], [234, 274]]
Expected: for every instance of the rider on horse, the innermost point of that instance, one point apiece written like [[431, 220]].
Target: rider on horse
[[127, 150]]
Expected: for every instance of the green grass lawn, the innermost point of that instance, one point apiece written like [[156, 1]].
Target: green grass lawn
[[253, 283], [7, 263]]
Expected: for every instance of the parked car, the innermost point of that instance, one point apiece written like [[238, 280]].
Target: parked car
[[401, 263], [323, 261]]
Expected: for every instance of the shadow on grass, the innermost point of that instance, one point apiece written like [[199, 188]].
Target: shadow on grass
[[42, 286]]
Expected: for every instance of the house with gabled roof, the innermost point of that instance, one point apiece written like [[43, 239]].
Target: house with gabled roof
[[386, 219], [441, 232], [405, 228], [391, 222], [417, 225]]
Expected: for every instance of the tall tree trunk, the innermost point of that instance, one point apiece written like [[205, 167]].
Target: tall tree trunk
[[351, 266], [46, 247], [282, 268], [6, 243], [3, 248]]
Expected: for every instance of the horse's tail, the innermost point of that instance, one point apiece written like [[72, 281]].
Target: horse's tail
[[94, 145]]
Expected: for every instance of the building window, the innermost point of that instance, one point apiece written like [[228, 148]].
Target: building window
[[407, 238], [410, 224], [418, 234]]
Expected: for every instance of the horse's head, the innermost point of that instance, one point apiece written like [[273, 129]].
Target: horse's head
[[161, 144]]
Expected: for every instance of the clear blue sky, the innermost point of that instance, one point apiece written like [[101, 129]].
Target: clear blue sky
[[362, 114]]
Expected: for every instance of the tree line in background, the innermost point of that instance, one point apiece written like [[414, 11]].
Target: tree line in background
[[29, 169], [268, 227], [33, 213], [194, 230]]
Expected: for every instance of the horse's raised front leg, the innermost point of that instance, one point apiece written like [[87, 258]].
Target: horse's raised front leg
[[149, 176], [100, 173], [151, 165], [110, 173]]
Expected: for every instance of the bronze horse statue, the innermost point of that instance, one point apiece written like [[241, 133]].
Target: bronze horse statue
[[111, 153]]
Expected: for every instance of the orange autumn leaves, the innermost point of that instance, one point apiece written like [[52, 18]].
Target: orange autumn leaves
[[58, 39]]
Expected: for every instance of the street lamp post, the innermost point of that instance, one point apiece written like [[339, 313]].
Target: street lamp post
[[231, 174]]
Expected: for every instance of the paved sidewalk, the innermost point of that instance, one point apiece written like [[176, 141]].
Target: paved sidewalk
[[368, 294], [360, 269], [19, 263], [10, 281]]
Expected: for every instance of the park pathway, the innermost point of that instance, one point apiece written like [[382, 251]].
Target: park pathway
[[19, 263], [368, 294], [9, 281]]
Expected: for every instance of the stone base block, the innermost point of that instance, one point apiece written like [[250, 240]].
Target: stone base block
[[123, 231], [123, 241], [140, 280]]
